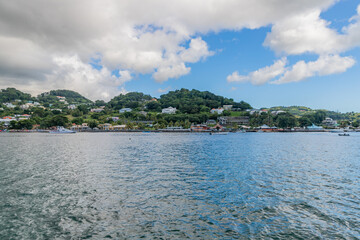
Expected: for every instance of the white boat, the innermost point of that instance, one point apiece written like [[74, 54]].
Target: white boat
[[62, 130], [219, 133]]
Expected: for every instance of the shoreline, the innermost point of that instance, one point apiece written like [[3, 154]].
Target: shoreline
[[167, 131]]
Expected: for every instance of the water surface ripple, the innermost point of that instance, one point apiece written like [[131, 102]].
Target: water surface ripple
[[178, 186]]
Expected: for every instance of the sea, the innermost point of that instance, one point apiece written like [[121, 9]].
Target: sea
[[179, 186]]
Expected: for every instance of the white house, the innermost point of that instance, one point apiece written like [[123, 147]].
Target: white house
[[124, 110], [97, 110], [227, 107], [9, 105], [329, 122], [61, 98], [169, 110], [277, 112], [72, 106], [217, 110]]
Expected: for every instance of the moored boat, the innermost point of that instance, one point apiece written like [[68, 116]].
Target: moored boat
[[62, 130], [219, 133], [344, 134]]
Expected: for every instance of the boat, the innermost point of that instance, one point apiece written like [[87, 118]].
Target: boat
[[219, 133], [62, 130], [344, 134]]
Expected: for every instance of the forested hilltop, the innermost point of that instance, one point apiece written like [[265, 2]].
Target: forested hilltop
[[138, 110]]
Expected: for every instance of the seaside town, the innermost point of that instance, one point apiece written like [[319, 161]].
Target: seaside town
[[177, 111]]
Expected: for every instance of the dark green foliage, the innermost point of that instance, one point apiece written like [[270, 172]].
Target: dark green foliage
[[100, 103], [194, 101], [78, 120], [129, 100], [23, 124], [93, 124], [11, 94], [153, 106], [286, 121], [58, 120], [71, 96], [83, 108], [304, 121]]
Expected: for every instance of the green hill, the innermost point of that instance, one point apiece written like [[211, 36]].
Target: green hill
[[71, 97], [195, 101], [12, 94], [129, 100]]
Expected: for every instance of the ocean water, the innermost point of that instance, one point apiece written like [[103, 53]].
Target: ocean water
[[179, 186]]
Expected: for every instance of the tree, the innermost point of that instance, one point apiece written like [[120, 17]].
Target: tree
[[83, 108], [100, 103], [77, 113], [304, 121], [355, 124], [93, 124], [59, 120], [78, 120]]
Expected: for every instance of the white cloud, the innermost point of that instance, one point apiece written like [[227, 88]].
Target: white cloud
[[163, 90], [262, 75], [157, 37], [325, 65], [303, 33], [306, 33], [280, 73], [71, 73]]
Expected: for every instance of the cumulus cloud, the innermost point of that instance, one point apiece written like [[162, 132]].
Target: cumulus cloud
[[280, 73], [303, 33], [306, 33], [262, 75], [157, 37], [325, 65]]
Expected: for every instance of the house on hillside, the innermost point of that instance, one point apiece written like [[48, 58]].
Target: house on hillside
[[217, 110], [227, 107], [329, 122], [169, 110], [124, 110], [97, 110]]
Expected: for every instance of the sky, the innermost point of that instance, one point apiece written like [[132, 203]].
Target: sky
[[267, 53]]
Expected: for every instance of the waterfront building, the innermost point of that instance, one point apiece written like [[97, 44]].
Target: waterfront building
[[6, 120], [329, 122], [124, 110], [169, 110], [106, 126], [119, 127], [217, 127], [81, 127], [174, 129], [230, 121], [210, 122], [199, 128]]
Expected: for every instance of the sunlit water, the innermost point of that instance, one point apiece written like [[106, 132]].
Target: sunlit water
[[176, 186]]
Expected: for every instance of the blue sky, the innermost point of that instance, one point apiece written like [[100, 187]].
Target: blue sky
[[268, 53], [244, 50]]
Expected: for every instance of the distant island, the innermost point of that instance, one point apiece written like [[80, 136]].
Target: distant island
[[180, 109]]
